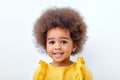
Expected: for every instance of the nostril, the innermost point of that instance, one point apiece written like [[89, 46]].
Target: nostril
[[57, 48]]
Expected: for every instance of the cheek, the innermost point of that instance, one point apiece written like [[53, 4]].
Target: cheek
[[68, 49], [49, 49]]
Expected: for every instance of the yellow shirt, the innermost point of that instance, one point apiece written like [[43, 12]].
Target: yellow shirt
[[76, 71]]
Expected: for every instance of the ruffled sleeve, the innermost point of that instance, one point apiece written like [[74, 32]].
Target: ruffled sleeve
[[39, 73], [82, 72]]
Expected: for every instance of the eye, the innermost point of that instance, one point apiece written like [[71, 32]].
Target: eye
[[64, 42], [51, 42]]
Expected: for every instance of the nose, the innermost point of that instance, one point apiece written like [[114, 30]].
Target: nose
[[57, 46]]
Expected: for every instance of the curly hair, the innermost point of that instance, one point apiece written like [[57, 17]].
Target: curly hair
[[66, 18]]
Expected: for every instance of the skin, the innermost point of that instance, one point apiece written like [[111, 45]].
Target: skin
[[59, 46]]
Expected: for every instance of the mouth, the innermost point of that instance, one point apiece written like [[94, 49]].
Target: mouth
[[58, 55]]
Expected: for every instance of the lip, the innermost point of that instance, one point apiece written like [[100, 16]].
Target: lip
[[58, 54]]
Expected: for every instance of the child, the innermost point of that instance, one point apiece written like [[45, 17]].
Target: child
[[62, 33]]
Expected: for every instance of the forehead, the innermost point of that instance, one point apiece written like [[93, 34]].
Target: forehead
[[58, 32]]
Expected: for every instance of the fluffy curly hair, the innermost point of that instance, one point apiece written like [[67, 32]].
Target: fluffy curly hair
[[66, 18]]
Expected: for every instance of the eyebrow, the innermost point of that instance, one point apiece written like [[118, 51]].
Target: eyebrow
[[60, 38]]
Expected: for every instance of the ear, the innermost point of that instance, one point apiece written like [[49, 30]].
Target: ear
[[74, 47]]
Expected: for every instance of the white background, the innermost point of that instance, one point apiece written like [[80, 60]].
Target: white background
[[19, 57]]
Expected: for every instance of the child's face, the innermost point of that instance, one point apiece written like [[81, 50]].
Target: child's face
[[59, 44]]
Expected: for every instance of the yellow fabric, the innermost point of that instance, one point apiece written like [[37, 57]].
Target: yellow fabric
[[76, 71]]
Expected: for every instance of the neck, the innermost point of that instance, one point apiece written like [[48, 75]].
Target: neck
[[61, 64]]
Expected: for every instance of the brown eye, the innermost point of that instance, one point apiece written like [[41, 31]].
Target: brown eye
[[64, 42], [51, 42]]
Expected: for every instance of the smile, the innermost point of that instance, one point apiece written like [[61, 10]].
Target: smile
[[58, 55]]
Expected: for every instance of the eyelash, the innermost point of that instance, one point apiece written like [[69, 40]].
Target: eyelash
[[51, 42], [62, 42]]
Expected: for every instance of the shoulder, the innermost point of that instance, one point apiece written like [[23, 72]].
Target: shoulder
[[40, 71], [82, 70]]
